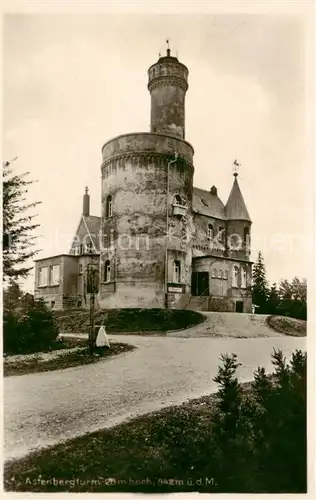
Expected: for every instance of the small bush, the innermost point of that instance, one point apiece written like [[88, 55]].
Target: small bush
[[28, 325]]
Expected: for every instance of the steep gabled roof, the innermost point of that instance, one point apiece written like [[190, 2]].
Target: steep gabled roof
[[235, 208], [206, 203], [89, 225], [93, 225]]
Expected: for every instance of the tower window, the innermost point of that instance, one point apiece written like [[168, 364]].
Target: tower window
[[176, 271], [210, 232], [246, 236], [108, 211], [235, 276], [107, 271], [244, 278]]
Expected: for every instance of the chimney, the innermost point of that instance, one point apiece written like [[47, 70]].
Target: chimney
[[213, 190], [86, 203]]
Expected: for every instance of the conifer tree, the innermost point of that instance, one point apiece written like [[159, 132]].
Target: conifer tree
[[18, 225], [273, 301], [260, 289]]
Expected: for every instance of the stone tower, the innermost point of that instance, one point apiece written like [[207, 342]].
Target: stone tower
[[147, 189], [167, 84]]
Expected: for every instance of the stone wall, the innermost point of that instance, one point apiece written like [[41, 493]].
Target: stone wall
[[134, 174]]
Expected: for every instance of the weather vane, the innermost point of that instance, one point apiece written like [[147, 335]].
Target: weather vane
[[236, 168]]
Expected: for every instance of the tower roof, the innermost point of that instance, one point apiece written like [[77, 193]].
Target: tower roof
[[235, 207]]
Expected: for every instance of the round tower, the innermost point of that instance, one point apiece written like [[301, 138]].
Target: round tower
[[167, 84], [147, 190]]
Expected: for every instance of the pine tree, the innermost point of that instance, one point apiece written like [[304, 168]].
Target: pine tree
[[18, 225], [260, 289], [273, 301]]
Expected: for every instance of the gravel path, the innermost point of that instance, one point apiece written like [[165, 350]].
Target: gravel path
[[45, 408]]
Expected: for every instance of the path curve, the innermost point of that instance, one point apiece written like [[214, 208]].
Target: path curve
[[43, 409]]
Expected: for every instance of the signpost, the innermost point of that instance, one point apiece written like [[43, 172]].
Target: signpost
[[176, 288], [92, 288]]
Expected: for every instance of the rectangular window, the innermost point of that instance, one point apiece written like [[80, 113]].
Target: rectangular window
[[52, 304], [244, 278], [80, 268], [226, 275], [107, 271], [43, 276], [176, 271], [214, 273], [54, 276], [89, 247]]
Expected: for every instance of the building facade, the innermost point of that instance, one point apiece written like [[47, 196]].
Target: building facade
[[160, 242]]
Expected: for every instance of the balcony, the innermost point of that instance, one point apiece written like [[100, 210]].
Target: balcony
[[179, 209]]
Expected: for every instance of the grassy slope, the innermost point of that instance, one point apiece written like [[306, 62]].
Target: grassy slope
[[129, 320], [287, 326]]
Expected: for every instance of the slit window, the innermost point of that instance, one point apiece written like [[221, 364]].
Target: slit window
[[176, 271], [107, 271], [108, 207]]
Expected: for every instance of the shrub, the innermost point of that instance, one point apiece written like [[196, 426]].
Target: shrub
[[28, 325], [259, 437]]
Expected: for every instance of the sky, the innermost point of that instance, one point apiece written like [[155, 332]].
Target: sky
[[72, 82]]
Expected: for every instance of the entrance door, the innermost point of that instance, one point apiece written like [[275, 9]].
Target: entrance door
[[200, 284], [239, 306]]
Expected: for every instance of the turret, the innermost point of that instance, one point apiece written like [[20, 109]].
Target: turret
[[167, 84], [238, 223]]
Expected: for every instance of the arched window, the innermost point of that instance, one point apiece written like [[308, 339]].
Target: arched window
[[176, 271], [210, 232], [235, 276], [214, 273], [178, 200], [246, 236], [108, 211], [220, 273], [107, 271], [244, 277]]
